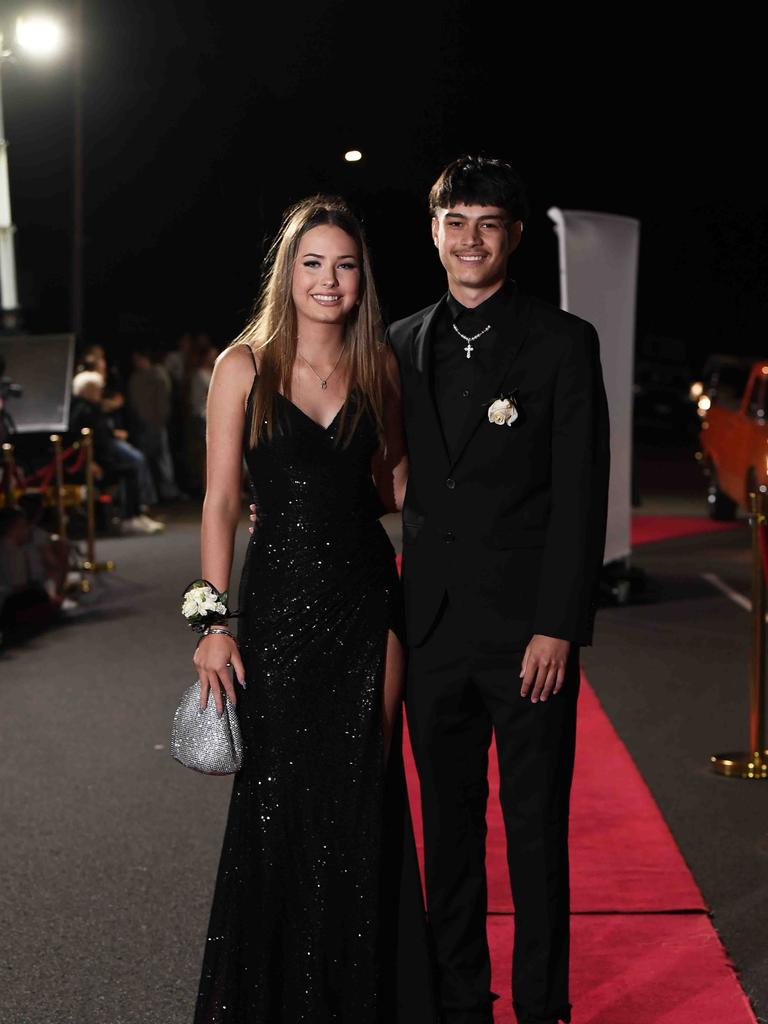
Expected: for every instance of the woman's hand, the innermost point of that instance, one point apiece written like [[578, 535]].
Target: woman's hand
[[213, 657], [390, 462], [253, 517]]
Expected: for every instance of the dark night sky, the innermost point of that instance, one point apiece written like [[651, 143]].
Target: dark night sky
[[203, 121]]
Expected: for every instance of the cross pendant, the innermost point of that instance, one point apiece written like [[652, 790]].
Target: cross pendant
[[469, 350]]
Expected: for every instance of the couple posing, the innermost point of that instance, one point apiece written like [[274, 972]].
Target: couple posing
[[484, 420]]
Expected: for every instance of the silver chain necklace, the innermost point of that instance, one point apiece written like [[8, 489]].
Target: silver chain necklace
[[469, 349], [323, 380]]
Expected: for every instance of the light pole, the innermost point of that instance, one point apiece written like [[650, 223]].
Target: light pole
[[40, 37], [8, 294]]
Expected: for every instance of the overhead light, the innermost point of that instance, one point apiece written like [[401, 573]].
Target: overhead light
[[353, 155], [39, 35]]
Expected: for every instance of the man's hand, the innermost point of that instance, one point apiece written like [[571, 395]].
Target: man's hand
[[543, 668], [115, 401]]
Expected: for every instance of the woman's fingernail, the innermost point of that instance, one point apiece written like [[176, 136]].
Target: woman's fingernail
[[242, 682]]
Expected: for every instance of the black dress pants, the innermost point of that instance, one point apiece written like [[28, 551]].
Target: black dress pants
[[458, 693]]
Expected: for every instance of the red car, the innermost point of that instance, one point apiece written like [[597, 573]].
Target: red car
[[734, 443]]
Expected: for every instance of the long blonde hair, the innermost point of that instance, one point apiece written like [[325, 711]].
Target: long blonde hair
[[272, 330]]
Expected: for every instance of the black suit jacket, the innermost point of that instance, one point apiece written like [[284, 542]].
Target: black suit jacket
[[512, 527]]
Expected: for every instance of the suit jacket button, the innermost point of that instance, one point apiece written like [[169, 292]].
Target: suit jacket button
[[449, 537], [450, 483]]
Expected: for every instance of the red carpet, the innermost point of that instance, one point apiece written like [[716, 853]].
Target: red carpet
[[646, 529], [623, 856], [639, 969], [658, 966]]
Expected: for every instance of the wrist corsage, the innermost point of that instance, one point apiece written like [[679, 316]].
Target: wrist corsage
[[203, 605]]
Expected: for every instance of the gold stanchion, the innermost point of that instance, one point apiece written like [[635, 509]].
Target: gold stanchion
[[753, 764], [9, 473], [90, 564], [59, 464]]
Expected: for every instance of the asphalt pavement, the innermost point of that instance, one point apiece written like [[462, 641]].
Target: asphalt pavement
[[110, 848]]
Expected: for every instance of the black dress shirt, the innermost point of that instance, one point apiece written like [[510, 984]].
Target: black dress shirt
[[454, 376]]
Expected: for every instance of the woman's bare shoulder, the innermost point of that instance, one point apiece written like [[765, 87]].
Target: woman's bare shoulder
[[234, 368]]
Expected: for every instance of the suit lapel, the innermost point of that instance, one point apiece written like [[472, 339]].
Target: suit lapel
[[512, 335], [422, 347], [422, 362]]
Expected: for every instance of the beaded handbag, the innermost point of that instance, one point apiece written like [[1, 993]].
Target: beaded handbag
[[201, 740]]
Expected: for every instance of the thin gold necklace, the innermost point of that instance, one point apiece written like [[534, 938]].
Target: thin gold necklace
[[323, 380]]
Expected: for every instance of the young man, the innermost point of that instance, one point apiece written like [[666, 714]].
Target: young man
[[504, 526]]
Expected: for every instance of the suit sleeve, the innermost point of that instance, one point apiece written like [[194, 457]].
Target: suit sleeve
[[575, 540]]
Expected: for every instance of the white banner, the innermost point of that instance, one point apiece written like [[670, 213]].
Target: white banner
[[598, 282]]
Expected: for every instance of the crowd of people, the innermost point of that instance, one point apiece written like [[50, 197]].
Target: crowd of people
[[148, 426]]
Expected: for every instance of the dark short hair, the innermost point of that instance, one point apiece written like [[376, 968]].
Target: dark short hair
[[480, 181]]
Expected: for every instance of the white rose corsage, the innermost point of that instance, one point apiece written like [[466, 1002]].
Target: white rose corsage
[[203, 605], [503, 411]]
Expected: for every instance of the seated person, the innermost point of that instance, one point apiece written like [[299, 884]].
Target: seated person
[[112, 400], [22, 601], [113, 457], [47, 555]]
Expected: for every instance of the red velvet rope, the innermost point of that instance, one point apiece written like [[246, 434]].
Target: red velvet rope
[[77, 463], [44, 474]]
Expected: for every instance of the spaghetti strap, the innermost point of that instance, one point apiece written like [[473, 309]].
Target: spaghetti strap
[[252, 388], [253, 357]]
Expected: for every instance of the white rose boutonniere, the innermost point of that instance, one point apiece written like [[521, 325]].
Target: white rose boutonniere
[[503, 411]]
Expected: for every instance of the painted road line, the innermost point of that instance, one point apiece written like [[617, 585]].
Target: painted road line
[[730, 593]]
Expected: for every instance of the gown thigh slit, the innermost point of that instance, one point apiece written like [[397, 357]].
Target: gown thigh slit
[[317, 914]]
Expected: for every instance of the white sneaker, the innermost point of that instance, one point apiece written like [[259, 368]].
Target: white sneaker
[[68, 605], [135, 524], [153, 525]]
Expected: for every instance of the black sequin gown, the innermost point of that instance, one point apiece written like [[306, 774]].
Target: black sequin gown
[[317, 913]]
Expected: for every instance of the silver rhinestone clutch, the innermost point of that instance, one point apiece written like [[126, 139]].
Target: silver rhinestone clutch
[[203, 741]]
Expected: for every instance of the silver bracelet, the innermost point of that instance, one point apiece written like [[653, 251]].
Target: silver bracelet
[[212, 630]]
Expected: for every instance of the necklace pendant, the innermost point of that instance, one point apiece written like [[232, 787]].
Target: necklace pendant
[[323, 384], [469, 350]]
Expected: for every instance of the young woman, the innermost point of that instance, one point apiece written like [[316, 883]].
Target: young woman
[[317, 912]]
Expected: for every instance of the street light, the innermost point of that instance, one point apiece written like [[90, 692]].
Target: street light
[[42, 37]]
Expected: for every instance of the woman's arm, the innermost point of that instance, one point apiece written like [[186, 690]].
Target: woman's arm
[[225, 419], [390, 467]]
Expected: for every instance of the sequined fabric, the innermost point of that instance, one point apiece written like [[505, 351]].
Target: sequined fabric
[[295, 929]]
